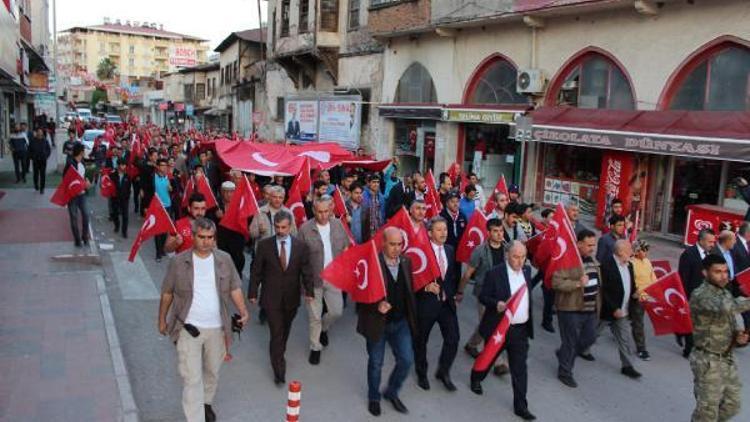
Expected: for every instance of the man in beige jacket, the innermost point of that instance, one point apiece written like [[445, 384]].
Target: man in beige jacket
[[326, 239]]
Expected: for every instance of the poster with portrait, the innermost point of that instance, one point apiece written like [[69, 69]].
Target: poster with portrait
[[300, 120], [340, 121]]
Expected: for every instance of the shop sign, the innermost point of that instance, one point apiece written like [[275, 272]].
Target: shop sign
[[617, 170], [182, 56], [478, 116], [648, 143], [709, 217]]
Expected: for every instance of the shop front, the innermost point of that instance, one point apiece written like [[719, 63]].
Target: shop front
[[414, 129], [661, 164]]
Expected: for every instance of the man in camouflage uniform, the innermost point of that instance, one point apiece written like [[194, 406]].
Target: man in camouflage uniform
[[715, 332]]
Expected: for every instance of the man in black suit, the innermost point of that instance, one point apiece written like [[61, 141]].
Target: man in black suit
[[455, 218], [418, 191], [741, 258], [396, 198], [282, 266], [393, 320], [121, 181], [500, 283], [691, 272], [436, 303], [618, 298]]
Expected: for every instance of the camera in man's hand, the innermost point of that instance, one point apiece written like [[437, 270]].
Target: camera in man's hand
[[236, 324]]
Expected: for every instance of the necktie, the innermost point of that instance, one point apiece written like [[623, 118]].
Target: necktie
[[441, 262], [282, 255]]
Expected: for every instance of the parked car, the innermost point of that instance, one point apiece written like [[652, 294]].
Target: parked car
[[89, 136], [84, 114], [113, 118]]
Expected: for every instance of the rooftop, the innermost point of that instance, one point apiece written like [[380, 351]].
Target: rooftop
[[142, 30], [255, 35]]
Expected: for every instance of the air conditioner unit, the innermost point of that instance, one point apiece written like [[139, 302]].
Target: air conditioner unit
[[530, 81]]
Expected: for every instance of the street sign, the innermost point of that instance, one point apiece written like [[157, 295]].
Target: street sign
[[523, 128]]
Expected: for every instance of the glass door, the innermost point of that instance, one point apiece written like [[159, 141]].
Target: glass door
[[696, 181]]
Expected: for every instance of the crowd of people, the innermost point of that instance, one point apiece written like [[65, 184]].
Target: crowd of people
[[287, 256]]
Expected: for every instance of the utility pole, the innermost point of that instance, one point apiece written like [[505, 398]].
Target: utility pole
[[54, 58]]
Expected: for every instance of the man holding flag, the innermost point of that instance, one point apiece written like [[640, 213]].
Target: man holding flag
[[77, 203], [507, 324], [183, 239]]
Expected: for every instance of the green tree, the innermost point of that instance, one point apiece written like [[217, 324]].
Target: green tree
[[106, 69], [99, 95]]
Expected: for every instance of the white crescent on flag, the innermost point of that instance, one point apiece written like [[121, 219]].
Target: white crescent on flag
[[405, 236], [322, 156], [261, 159], [480, 236], [422, 259], [71, 184], [295, 205], [149, 223], [362, 285], [562, 246], [242, 201], [668, 293]]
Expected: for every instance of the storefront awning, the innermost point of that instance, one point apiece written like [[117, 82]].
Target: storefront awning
[[721, 135], [411, 111]]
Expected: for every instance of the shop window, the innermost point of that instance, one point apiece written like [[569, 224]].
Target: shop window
[[200, 92], [731, 195], [497, 85], [329, 15], [718, 81], [594, 81], [304, 12], [416, 86]]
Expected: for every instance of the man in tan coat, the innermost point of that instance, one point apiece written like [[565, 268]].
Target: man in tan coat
[[326, 238], [262, 226]]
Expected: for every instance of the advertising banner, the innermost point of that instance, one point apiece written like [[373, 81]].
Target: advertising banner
[[301, 120], [703, 216], [340, 122], [614, 183], [182, 56]]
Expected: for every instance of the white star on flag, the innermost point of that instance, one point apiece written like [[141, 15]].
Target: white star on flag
[[683, 311], [498, 338], [356, 272], [470, 243]]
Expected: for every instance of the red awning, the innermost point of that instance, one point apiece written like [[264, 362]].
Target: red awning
[[704, 134]]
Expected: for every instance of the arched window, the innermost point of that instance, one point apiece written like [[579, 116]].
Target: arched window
[[494, 82], [593, 80], [415, 86], [716, 79]]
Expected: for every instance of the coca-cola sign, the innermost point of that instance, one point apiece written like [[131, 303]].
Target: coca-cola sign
[[614, 183]]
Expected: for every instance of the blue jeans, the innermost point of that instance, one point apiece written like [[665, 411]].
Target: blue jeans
[[398, 336]]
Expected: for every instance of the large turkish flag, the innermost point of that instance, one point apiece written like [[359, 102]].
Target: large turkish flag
[[357, 271], [156, 222], [71, 186], [473, 236], [667, 306]]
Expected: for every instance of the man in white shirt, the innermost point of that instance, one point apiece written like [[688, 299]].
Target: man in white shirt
[[326, 239], [500, 284], [198, 287], [618, 295]]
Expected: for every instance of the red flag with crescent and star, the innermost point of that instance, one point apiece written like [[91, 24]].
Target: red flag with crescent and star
[[495, 343], [662, 267], [71, 186], [296, 206], [431, 197], [156, 222], [202, 186], [339, 206], [302, 181], [563, 247], [107, 188], [241, 207], [425, 268], [667, 306], [474, 235], [501, 186], [743, 281], [357, 271], [189, 188]]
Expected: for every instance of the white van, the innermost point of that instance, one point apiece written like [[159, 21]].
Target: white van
[[84, 114]]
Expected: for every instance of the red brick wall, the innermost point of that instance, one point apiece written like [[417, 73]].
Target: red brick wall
[[400, 17]]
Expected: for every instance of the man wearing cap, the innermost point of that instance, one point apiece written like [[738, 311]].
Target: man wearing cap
[[514, 193], [454, 217]]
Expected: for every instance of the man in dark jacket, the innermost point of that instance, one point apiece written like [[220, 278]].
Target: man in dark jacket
[[455, 218], [500, 284], [618, 297], [436, 303], [392, 321], [39, 152], [121, 181], [19, 146], [691, 273]]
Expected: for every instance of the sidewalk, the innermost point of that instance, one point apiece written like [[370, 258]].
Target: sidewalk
[[55, 357]]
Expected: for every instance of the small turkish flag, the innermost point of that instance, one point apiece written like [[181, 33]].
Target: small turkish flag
[[242, 206], [357, 271], [501, 186], [743, 280], [540, 248], [302, 181], [474, 235], [339, 206], [564, 250], [107, 188], [189, 188], [667, 306], [495, 343], [425, 268], [431, 197], [201, 183], [156, 222], [295, 205], [71, 186], [661, 268], [634, 230]]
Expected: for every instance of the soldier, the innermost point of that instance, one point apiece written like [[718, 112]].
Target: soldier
[[715, 333]]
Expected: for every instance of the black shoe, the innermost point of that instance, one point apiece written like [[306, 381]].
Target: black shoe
[[525, 415], [324, 338], [374, 408], [124, 235], [686, 353], [36, 187], [398, 405], [568, 380], [446, 380], [587, 356], [41, 192], [476, 388], [210, 415], [644, 355], [547, 326], [86, 242], [314, 357], [279, 380], [423, 382], [78, 244], [678, 339], [117, 229], [158, 259], [501, 369], [630, 372], [471, 350]]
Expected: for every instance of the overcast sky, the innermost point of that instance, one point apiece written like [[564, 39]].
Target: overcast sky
[[209, 19]]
